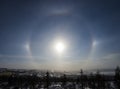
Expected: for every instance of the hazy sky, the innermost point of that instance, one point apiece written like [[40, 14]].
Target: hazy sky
[[89, 29]]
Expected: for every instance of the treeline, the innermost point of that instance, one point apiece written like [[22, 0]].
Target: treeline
[[93, 81]]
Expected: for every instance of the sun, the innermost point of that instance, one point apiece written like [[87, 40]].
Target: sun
[[60, 47]]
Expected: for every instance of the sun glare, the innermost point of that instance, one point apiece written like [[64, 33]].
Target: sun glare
[[60, 47]]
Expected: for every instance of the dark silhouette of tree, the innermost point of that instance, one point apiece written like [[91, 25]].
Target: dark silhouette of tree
[[15, 88], [47, 79], [100, 81], [117, 77], [78, 80], [97, 79], [81, 79], [64, 80], [91, 81]]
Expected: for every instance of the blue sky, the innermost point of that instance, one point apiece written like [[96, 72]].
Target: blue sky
[[89, 29]]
